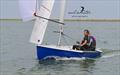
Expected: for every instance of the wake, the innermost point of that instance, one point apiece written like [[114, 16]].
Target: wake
[[107, 53]]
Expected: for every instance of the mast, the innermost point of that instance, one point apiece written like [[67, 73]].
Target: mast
[[61, 19]]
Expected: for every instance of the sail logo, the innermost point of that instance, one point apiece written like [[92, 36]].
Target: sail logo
[[81, 12]]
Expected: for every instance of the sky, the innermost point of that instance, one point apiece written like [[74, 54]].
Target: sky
[[97, 9]]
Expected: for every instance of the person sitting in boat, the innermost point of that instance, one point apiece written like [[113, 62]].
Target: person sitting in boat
[[88, 43]]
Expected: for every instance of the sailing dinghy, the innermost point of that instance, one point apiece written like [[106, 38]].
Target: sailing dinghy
[[52, 51]]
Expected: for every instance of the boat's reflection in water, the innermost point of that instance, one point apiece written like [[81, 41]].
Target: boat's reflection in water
[[87, 66], [64, 67], [70, 66]]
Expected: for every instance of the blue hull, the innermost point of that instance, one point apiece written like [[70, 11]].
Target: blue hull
[[44, 52]]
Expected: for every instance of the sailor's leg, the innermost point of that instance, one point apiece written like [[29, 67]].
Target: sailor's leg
[[84, 48], [92, 48], [76, 47]]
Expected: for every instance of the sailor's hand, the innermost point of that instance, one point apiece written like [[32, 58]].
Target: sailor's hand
[[81, 45]]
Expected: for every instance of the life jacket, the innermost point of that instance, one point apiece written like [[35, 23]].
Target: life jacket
[[92, 41]]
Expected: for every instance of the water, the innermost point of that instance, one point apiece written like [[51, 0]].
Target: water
[[18, 56]]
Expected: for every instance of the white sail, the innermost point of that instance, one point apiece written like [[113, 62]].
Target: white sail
[[27, 8], [41, 24]]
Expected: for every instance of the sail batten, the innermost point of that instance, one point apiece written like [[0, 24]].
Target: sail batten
[[40, 23]]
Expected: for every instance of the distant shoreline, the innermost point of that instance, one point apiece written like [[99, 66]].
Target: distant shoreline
[[84, 20]]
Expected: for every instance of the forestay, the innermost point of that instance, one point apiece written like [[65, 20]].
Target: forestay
[[27, 8], [40, 23]]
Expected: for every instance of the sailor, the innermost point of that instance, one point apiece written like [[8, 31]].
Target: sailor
[[87, 44]]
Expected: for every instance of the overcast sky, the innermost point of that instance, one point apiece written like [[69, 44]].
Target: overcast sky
[[98, 8]]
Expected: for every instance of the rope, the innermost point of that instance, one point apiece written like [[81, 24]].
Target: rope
[[66, 35], [50, 20], [35, 14], [66, 41], [69, 37]]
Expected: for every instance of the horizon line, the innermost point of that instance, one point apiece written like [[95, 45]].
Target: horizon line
[[71, 19]]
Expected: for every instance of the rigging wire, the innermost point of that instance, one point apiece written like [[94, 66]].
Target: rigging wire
[[55, 22], [66, 42], [35, 14], [49, 19], [64, 36], [69, 37]]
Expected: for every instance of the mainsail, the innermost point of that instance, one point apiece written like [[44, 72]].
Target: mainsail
[[27, 8], [40, 23]]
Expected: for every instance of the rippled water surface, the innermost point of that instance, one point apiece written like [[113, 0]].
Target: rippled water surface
[[18, 56]]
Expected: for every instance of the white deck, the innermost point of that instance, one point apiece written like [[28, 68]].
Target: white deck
[[66, 48]]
